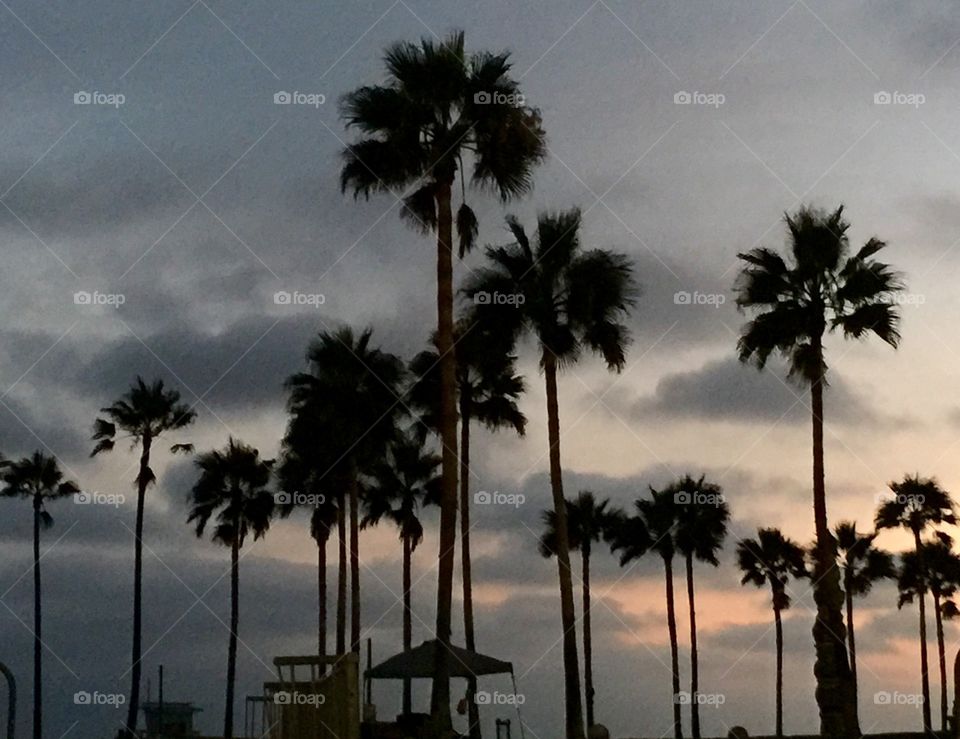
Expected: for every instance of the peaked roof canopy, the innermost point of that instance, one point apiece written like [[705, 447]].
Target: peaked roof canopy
[[419, 661]]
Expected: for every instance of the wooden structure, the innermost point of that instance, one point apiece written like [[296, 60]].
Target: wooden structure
[[314, 698]]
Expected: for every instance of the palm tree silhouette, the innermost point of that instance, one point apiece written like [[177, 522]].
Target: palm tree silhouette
[[233, 486], [588, 521], [861, 565], [702, 518], [821, 289], [772, 559], [345, 409], [439, 104], [144, 413], [915, 505], [487, 390], [570, 299], [36, 478], [400, 487], [655, 527]]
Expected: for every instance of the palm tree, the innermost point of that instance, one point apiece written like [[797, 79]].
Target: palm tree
[[588, 521], [487, 391], [915, 505], [772, 559], [702, 518], [232, 485], [655, 527], [143, 414], [439, 104], [861, 565], [400, 487], [819, 288], [345, 409], [36, 478], [570, 299]]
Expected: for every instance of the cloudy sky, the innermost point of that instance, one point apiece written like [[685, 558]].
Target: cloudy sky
[[183, 192]]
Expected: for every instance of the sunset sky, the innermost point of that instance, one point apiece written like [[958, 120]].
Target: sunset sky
[[198, 198]]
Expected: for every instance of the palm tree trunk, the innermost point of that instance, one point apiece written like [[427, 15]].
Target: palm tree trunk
[[342, 577], [440, 693], [924, 664], [852, 643], [587, 635], [674, 657], [571, 667], [694, 666], [322, 596], [407, 625], [779, 628], [473, 711], [37, 627], [834, 693], [354, 560], [133, 707], [11, 700], [941, 653], [234, 625]]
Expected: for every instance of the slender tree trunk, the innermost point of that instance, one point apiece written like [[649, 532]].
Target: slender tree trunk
[[694, 666], [37, 627], [11, 700], [473, 711], [354, 560], [779, 627], [674, 657], [852, 643], [834, 693], [234, 625], [941, 653], [587, 635], [924, 663], [322, 596], [440, 694], [407, 625], [571, 667], [133, 706], [342, 576]]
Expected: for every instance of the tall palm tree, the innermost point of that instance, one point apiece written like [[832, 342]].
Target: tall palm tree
[[918, 504], [438, 105], [345, 409], [571, 300], [655, 527], [818, 288], [861, 565], [772, 559], [233, 486], [588, 521], [487, 392], [702, 518], [143, 414], [400, 487], [36, 478]]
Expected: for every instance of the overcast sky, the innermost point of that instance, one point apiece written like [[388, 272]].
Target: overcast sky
[[183, 192]]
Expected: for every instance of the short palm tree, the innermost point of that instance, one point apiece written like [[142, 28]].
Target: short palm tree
[[702, 518], [654, 526], [571, 300], [918, 504], [440, 105], [143, 414], [233, 486], [36, 478], [818, 288], [861, 565], [400, 487], [772, 559], [487, 392], [344, 409], [588, 521]]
